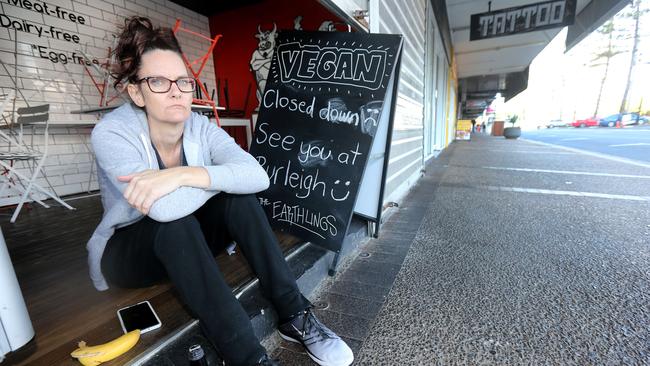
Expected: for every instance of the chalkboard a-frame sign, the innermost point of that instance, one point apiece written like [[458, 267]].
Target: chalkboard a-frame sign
[[318, 116]]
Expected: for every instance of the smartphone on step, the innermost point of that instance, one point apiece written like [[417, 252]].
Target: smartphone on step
[[139, 316]]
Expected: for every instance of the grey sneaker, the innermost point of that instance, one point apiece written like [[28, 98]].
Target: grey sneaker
[[322, 345]]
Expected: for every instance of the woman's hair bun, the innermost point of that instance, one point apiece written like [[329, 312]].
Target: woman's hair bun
[[137, 37], [135, 23]]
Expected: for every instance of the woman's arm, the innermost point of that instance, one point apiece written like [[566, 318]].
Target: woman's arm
[[229, 169], [119, 155], [147, 187], [232, 169], [173, 193]]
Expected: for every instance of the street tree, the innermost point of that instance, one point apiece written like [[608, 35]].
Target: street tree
[[635, 14], [604, 56]]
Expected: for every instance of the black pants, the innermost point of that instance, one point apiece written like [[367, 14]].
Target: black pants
[[148, 251]]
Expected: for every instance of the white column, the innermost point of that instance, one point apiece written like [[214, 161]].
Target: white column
[[15, 327]]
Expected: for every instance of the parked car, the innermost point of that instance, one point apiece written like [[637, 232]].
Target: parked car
[[626, 118], [587, 122], [556, 123]]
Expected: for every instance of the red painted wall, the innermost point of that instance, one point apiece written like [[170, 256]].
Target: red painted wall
[[238, 27]]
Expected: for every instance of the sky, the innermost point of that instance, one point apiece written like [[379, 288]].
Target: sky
[[564, 85]]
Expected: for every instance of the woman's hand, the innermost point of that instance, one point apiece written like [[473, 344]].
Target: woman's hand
[[147, 186]]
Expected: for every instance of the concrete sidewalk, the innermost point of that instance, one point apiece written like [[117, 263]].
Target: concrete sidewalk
[[506, 252]]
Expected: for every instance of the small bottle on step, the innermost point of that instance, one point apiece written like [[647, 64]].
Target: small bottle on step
[[196, 356]]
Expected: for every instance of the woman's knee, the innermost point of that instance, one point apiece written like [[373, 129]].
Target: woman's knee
[[183, 224], [244, 203], [185, 232], [250, 198]]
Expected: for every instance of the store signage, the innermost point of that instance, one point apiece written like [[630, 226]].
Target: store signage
[[318, 116], [17, 24], [332, 65], [48, 9], [463, 129], [522, 19]]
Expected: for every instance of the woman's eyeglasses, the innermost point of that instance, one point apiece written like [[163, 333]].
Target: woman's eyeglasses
[[159, 84]]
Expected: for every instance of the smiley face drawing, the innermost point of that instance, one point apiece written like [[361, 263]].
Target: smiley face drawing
[[347, 193]]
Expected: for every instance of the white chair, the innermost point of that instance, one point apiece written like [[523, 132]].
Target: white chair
[[16, 149], [7, 99]]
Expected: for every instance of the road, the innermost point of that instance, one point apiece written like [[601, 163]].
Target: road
[[629, 143]]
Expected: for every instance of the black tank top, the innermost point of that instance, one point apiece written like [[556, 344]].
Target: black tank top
[[160, 162]]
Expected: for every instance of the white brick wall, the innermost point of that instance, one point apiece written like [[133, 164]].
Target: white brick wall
[[66, 86]]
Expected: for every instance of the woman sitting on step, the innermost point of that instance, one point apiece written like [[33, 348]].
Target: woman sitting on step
[[176, 189]]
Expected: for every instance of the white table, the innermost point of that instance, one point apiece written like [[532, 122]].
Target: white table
[[238, 122]]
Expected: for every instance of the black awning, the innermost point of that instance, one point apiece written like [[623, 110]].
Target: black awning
[[591, 17]]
